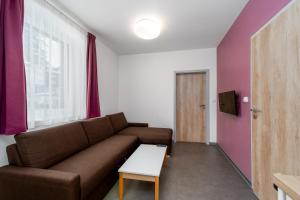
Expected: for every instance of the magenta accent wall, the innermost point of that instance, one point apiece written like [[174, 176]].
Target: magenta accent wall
[[233, 73]]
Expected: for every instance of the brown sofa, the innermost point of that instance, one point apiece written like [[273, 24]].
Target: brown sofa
[[74, 161]]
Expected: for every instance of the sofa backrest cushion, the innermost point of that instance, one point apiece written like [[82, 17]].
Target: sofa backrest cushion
[[13, 155], [118, 121], [97, 129], [46, 147]]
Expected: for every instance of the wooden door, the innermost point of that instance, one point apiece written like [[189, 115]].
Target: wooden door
[[190, 107], [276, 101]]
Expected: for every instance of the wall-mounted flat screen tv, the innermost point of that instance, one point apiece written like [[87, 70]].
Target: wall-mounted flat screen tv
[[228, 103]]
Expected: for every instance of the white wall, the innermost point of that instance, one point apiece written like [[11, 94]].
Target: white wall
[[5, 141], [147, 85], [107, 78]]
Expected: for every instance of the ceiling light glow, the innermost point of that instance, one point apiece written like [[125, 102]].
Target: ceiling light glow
[[147, 29]]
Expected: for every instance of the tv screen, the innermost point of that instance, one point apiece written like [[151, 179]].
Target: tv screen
[[227, 102]]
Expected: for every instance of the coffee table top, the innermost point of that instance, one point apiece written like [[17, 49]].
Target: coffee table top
[[147, 160]]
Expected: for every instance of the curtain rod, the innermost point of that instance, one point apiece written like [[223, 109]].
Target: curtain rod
[[76, 21], [67, 14]]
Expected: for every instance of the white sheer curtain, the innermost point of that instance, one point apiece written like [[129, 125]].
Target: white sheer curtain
[[55, 62]]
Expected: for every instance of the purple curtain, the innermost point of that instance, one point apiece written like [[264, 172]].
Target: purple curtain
[[12, 70], [93, 104]]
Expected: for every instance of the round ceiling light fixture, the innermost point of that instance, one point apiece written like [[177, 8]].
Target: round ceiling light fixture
[[147, 29]]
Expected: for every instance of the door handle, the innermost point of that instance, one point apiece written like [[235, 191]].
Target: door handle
[[255, 110], [202, 106]]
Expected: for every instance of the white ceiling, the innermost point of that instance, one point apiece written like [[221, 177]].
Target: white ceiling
[[187, 24]]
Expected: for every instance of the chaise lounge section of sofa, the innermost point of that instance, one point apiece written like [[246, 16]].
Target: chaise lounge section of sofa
[[75, 161], [145, 134]]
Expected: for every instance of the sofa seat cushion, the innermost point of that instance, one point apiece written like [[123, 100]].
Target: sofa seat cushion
[[96, 162], [150, 135]]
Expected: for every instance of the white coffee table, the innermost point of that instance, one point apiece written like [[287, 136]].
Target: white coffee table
[[144, 165]]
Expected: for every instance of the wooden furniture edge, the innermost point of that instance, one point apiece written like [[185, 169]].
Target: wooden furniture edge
[[123, 176], [166, 160], [137, 177], [156, 188], [289, 184], [121, 186]]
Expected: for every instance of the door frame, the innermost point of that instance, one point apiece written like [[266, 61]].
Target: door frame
[[207, 100], [251, 74]]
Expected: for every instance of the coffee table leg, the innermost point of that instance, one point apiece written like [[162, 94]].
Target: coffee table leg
[[156, 188], [121, 186], [166, 159]]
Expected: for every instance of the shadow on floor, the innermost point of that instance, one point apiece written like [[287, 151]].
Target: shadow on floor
[[194, 172]]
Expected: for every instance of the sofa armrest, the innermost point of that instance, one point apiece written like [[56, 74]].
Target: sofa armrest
[[35, 184], [134, 124]]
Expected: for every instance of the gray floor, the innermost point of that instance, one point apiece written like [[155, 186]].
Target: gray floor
[[195, 172]]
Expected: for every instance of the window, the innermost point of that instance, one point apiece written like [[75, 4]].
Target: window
[[55, 63]]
